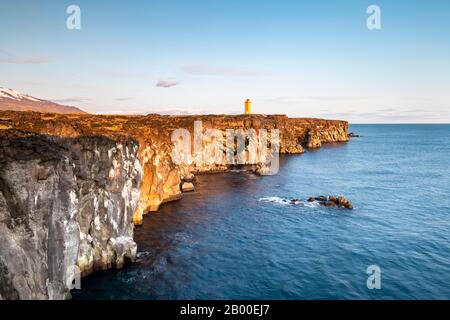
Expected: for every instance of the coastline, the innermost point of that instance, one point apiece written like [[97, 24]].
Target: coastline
[[92, 178]]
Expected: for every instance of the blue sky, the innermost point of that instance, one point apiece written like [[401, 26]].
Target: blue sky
[[315, 59]]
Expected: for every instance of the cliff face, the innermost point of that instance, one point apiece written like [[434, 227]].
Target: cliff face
[[71, 187], [64, 202]]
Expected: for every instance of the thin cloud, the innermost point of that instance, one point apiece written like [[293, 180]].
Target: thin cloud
[[71, 100], [398, 116], [121, 74], [123, 99], [43, 84], [167, 83], [338, 98], [387, 110], [421, 111], [180, 111], [303, 99], [207, 70], [9, 58]]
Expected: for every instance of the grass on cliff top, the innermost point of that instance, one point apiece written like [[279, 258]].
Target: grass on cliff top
[[116, 127]]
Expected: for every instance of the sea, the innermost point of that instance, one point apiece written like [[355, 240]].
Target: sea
[[238, 236]]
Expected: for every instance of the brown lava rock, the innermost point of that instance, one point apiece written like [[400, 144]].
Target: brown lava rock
[[332, 201]]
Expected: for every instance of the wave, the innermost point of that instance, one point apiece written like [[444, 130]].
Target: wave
[[274, 200], [289, 202], [183, 237]]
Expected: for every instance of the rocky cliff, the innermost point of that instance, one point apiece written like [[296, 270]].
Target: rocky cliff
[[73, 186]]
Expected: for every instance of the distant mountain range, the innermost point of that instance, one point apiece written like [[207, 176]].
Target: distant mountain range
[[13, 100]]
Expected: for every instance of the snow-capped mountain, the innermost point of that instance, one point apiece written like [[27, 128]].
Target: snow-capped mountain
[[15, 95], [11, 99]]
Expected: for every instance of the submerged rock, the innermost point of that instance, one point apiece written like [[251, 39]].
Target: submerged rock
[[262, 169]]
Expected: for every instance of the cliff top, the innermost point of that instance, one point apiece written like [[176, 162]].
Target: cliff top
[[13, 123]]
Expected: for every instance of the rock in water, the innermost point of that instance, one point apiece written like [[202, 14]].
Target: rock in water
[[353, 135], [319, 199], [332, 201], [187, 186]]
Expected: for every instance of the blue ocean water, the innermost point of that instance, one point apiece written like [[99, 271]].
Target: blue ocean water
[[234, 237]]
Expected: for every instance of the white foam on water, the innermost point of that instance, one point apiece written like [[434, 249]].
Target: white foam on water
[[277, 200], [183, 237], [290, 202], [313, 204], [141, 255]]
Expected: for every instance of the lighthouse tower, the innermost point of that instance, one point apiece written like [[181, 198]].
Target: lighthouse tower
[[248, 106]]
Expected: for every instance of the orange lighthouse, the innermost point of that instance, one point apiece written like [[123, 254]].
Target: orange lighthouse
[[248, 106]]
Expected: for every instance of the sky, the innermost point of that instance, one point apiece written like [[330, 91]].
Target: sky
[[300, 58]]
